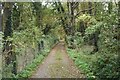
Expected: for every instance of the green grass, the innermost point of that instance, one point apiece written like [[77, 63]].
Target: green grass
[[29, 69], [83, 59]]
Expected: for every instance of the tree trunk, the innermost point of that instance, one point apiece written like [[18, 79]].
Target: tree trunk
[[71, 17], [95, 35], [8, 47], [118, 35], [95, 10], [110, 7], [7, 20], [90, 6], [37, 8], [16, 17], [60, 10], [0, 16], [82, 28]]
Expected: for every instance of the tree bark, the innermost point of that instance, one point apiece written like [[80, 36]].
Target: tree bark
[[95, 10], [61, 10], [8, 47], [71, 22], [0, 16], [109, 7], [118, 37], [90, 6], [37, 9]]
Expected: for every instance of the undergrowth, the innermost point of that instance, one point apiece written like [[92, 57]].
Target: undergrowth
[[83, 61], [29, 69], [27, 72]]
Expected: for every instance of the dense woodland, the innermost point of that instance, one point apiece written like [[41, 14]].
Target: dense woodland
[[90, 30]]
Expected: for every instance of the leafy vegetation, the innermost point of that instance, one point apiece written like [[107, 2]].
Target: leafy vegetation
[[28, 38], [82, 61], [101, 31], [90, 30], [29, 69]]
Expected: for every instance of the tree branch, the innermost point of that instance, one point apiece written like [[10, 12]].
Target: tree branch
[[75, 5], [83, 11]]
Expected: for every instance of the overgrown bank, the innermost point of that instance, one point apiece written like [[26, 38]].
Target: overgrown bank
[[83, 60], [103, 60], [24, 38], [30, 28]]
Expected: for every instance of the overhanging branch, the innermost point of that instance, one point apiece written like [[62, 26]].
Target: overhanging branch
[[83, 11]]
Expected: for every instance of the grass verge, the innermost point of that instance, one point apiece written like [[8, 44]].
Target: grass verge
[[83, 60], [30, 68]]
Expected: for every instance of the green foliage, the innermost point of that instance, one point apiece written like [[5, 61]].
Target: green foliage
[[93, 28], [27, 34], [50, 40], [78, 40], [75, 41], [29, 69], [1, 36], [26, 38], [7, 71], [28, 21], [86, 18], [83, 61], [107, 41], [27, 27], [106, 66]]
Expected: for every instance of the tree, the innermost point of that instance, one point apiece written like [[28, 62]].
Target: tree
[[110, 7], [71, 17], [16, 16], [63, 19], [0, 16], [7, 20], [90, 6], [7, 29], [37, 10], [118, 37]]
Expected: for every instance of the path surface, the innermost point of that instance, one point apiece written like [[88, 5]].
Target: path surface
[[58, 65]]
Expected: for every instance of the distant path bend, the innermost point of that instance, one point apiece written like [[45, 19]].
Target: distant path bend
[[58, 65]]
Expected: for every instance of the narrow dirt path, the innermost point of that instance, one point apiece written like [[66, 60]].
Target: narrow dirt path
[[58, 65]]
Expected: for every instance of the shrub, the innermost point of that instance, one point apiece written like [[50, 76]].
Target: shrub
[[106, 67]]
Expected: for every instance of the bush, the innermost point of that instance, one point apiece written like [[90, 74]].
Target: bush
[[75, 41], [82, 62], [106, 67]]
